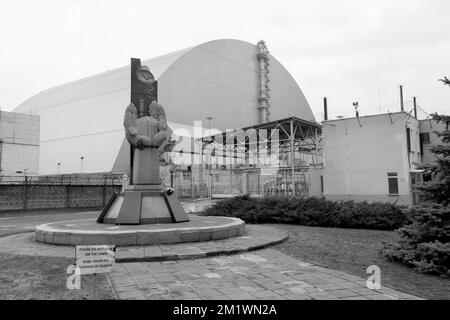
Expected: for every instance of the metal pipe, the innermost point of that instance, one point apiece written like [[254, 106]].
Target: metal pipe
[[415, 107], [402, 107]]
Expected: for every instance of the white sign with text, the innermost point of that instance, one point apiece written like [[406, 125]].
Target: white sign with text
[[95, 259]]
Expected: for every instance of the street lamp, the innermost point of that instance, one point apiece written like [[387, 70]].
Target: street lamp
[[81, 158], [25, 174], [59, 167]]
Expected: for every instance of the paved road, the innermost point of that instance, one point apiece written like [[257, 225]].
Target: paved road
[[30, 221]]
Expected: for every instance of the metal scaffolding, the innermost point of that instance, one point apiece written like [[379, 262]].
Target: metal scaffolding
[[296, 143]]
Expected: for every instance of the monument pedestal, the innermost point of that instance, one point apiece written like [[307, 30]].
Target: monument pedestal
[[143, 204]]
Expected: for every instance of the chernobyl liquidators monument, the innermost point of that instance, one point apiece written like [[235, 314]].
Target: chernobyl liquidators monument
[[145, 211], [145, 201]]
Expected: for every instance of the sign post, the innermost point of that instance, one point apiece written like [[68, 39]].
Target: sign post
[[94, 260]]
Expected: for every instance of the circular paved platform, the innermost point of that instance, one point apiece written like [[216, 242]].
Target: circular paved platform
[[88, 232], [256, 237]]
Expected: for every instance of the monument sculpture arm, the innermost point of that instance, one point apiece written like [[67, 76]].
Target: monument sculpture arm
[[129, 121], [165, 133], [131, 131]]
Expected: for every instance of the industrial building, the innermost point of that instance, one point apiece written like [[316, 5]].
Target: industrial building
[[19, 145], [429, 137], [377, 158], [237, 83]]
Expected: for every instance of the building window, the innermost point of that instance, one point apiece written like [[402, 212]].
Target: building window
[[217, 176], [425, 137], [393, 182]]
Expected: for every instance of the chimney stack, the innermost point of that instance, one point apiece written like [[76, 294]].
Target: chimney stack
[[415, 107], [402, 108], [325, 109]]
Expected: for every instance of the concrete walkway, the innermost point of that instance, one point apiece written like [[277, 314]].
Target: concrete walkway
[[255, 237], [263, 275]]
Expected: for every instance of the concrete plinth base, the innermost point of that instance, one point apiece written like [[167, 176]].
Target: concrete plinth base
[[143, 204], [89, 232]]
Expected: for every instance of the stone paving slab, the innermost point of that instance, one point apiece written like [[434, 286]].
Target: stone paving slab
[[254, 238], [266, 274]]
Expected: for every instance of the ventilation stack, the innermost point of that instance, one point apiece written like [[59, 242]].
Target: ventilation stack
[[263, 72]]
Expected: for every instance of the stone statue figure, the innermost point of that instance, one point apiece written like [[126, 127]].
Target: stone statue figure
[[135, 128], [146, 128], [150, 137]]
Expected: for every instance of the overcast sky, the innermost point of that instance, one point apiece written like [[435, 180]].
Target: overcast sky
[[347, 50]]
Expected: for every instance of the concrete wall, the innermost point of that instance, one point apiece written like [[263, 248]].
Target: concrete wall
[[357, 158], [21, 197], [19, 143], [315, 184]]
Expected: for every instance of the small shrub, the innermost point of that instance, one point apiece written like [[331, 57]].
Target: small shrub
[[312, 212]]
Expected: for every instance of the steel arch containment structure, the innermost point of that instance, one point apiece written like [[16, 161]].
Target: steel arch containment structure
[[219, 78]]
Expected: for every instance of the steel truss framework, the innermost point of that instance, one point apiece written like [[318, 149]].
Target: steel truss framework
[[285, 136]]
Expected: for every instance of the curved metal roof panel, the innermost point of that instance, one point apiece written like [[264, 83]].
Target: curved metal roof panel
[[218, 78]]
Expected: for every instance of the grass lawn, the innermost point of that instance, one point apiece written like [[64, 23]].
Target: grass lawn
[[352, 251], [42, 278]]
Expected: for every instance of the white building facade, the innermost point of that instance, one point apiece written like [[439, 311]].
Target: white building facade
[[373, 158], [19, 144], [429, 138]]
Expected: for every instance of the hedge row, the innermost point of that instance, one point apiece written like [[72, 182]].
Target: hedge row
[[313, 212]]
